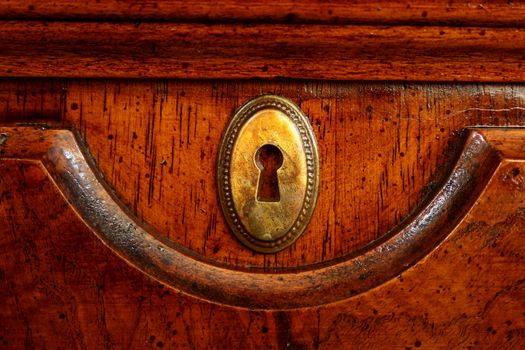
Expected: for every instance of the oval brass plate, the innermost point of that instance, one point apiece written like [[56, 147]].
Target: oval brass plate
[[268, 173]]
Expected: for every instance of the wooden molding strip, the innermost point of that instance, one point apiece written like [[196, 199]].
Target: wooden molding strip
[[199, 51], [61, 154], [495, 12]]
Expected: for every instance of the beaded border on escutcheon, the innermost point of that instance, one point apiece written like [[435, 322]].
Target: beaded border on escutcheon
[[240, 117]]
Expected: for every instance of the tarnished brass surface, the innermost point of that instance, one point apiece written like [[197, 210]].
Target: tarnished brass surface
[[262, 224]]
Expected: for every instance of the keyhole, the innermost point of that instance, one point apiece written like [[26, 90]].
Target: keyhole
[[269, 158]]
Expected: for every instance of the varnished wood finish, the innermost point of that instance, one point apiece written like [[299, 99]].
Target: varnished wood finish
[[384, 149], [494, 12], [61, 287], [167, 50], [111, 235], [32, 102], [62, 158]]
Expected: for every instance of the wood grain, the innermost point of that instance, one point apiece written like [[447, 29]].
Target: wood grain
[[494, 12], [414, 259], [23, 101], [62, 157], [61, 287], [384, 149], [228, 51]]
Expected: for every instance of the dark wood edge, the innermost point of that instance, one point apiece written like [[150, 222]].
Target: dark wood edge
[[233, 51], [271, 11], [60, 153]]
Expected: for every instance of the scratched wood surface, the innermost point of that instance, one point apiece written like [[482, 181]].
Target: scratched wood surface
[[247, 51], [458, 12], [384, 148], [62, 288]]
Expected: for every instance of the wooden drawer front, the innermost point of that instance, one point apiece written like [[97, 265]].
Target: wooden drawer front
[[111, 228]]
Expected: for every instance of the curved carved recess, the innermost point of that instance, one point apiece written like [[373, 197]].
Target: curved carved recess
[[61, 154]]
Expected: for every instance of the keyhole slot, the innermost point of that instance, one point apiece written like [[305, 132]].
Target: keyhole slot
[[269, 159]]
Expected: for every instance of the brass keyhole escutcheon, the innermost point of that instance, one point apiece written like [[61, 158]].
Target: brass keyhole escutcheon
[[268, 173], [269, 159]]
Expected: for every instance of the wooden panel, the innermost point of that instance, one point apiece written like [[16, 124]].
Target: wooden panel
[[384, 149], [32, 102], [157, 50], [494, 12], [61, 287], [63, 158], [414, 259]]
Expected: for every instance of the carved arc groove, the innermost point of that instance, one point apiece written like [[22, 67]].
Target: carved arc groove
[[61, 154]]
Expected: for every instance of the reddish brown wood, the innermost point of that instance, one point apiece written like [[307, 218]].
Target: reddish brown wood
[[61, 287], [32, 102], [414, 259], [494, 12], [166, 50], [62, 158], [384, 149]]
